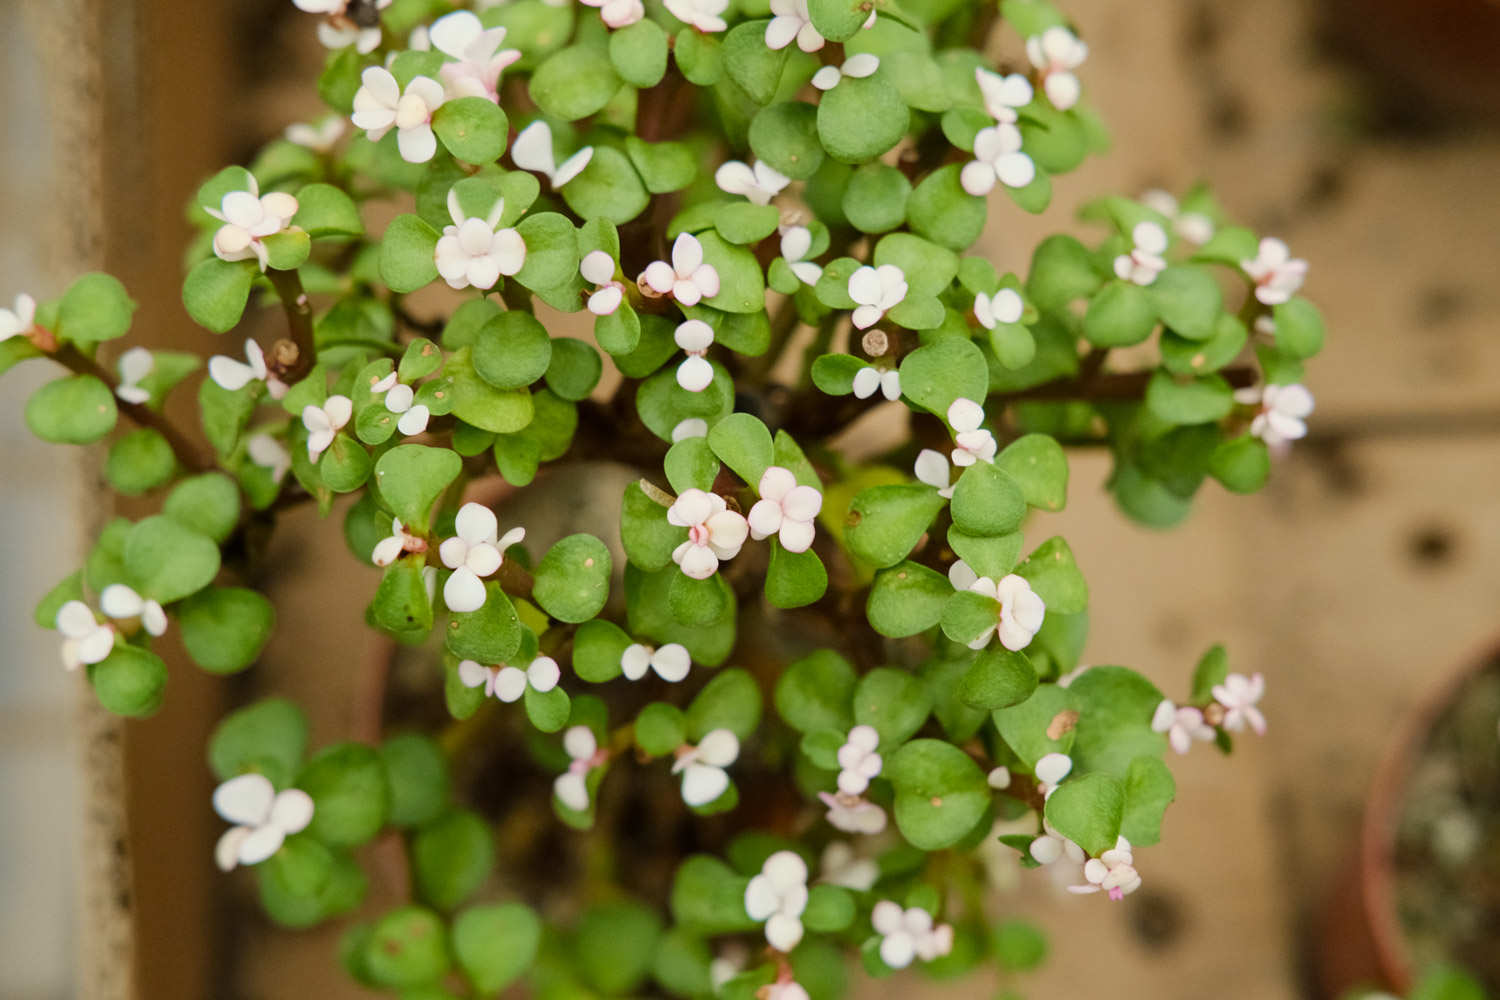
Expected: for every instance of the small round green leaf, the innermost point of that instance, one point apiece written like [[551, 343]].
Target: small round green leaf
[[860, 119], [473, 129], [130, 681], [167, 560], [495, 944], [225, 628], [351, 794], [452, 857], [75, 409], [572, 580], [139, 462]]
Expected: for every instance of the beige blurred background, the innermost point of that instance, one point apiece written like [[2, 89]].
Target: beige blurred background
[[1369, 571]]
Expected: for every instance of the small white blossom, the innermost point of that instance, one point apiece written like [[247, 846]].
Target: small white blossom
[[875, 291], [778, 895], [85, 640], [692, 427], [726, 965], [974, 442], [477, 49], [1051, 846], [786, 990], [868, 380], [859, 762], [263, 819], [702, 767], [509, 683], [1276, 273], [909, 934], [1003, 94], [796, 241], [785, 509], [1195, 227], [1144, 261], [1050, 770], [474, 553], [396, 544], [324, 422], [841, 866], [474, 251], [338, 30], [998, 778], [857, 67], [933, 469], [1056, 52], [853, 813], [320, 138], [759, 183], [532, 150], [714, 532], [1283, 411], [1005, 306], [695, 337], [233, 375], [687, 279], [400, 399], [380, 105], [1239, 695], [598, 268], [997, 157], [269, 453], [248, 219], [20, 321], [1181, 724], [1113, 872], [671, 662], [961, 575], [571, 787], [1021, 611], [619, 13], [122, 604], [134, 365], [791, 21], [705, 15]]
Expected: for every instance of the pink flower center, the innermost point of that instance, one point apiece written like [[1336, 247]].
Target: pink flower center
[[698, 534]]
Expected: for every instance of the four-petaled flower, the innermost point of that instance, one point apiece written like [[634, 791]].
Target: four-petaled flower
[[853, 813], [1182, 724], [671, 661], [1021, 611], [1050, 770], [869, 380], [875, 290], [598, 268], [1052, 846], [1113, 872], [397, 543], [785, 509], [509, 683], [1005, 306], [841, 866], [474, 553], [705, 15], [778, 895], [857, 67], [759, 183], [263, 819], [400, 399], [1056, 52], [233, 375], [1003, 94], [997, 157], [133, 366], [1276, 273], [695, 337], [687, 279], [714, 532], [380, 105], [790, 20], [20, 321], [796, 241], [702, 767], [1144, 261], [85, 639], [532, 151], [248, 219], [320, 138], [571, 787], [1239, 695], [1283, 411], [122, 603], [324, 422], [618, 13], [481, 60], [476, 251], [933, 469], [909, 934], [858, 760], [1195, 227], [974, 442]]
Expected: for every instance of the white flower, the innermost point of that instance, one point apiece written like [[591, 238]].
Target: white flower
[[1021, 611], [1050, 770], [1005, 306], [532, 150], [379, 106], [1277, 275], [598, 268], [997, 157], [671, 662], [571, 787], [473, 251], [401, 399], [619, 13], [687, 278], [1239, 695], [778, 895], [264, 819], [133, 366], [933, 469], [20, 321], [394, 545], [858, 760], [853, 813], [705, 15], [961, 575], [1057, 52], [339, 30], [268, 453], [1113, 871], [796, 241], [974, 442], [858, 67], [875, 290], [1003, 94], [324, 422], [695, 337], [1051, 846], [908, 934], [320, 138], [472, 554], [999, 777], [702, 767], [785, 509], [481, 60], [714, 532], [248, 219], [786, 990], [692, 427], [1195, 227], [509, 683], [85, 640], [868, 379], [1144, 261], [122, 604], [1283, 411], [1182, 725], [759, 183], [841, 866], [790, 20], [233, 375]]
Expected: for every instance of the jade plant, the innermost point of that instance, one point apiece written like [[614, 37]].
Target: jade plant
[[789, 699]]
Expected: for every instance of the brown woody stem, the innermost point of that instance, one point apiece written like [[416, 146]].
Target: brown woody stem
[[291, 360]]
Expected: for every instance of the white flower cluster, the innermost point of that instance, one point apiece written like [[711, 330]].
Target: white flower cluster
[[908, 934], [778, 896]]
